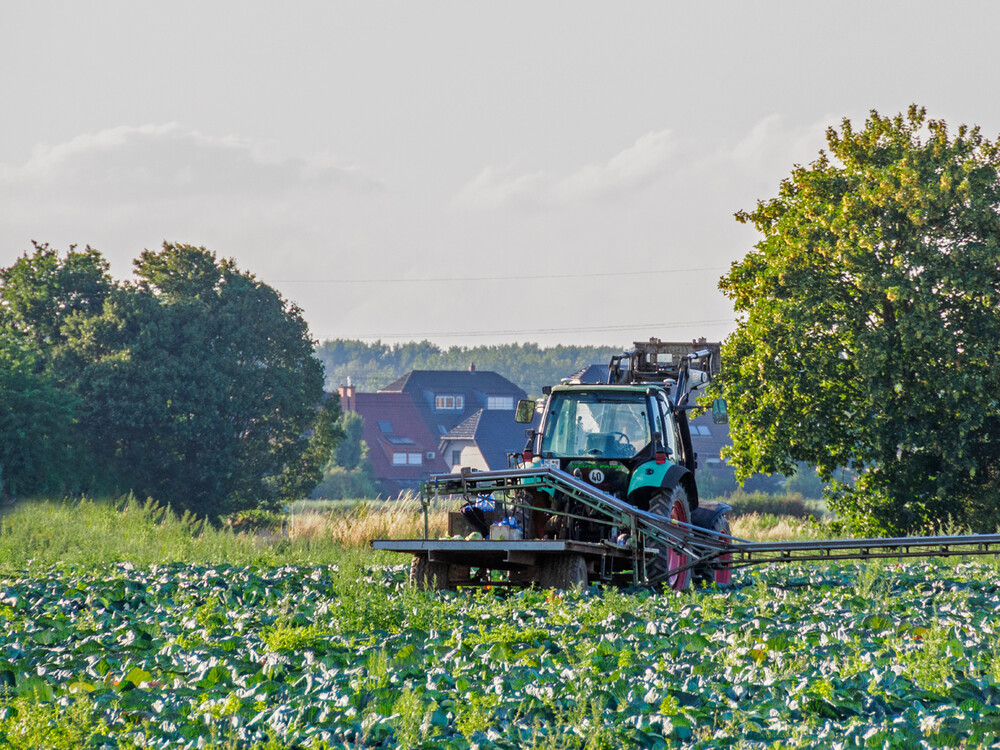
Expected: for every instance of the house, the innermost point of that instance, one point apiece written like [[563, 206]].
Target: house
[[402, 450], [484, 440], [432, 421]]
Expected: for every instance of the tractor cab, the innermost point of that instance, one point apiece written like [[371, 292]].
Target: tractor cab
[[629, 435], [603, 434]]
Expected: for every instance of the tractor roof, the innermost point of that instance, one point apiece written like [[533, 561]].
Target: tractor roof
[[630, 388]]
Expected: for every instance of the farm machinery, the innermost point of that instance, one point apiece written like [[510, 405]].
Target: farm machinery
[[605, 490]]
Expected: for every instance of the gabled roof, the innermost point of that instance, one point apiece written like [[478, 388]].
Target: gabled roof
[[453, 381], [393, 424], [495, 433], [591, 374], [465, 430]]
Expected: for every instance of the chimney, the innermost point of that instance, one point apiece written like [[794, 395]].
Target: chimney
[[472, 367], [346, 393]]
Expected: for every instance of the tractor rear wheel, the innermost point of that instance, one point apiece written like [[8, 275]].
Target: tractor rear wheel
[[563, 572], [672, 504], [428, 576]]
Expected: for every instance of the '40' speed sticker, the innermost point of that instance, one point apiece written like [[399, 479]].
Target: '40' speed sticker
[[596, 476]]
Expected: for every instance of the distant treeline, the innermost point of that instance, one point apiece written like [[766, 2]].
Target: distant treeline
[[371, 366]]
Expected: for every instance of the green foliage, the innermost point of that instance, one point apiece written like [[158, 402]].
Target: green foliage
[[788, 504], [805, 481], [255, 520], [93, 534], [868, 320], [351, 450], [243, 656], [373, 366], [195, 384], [31, 721], [713, 483], [341, 484], [36, 421], [43, 293], [349, 473]]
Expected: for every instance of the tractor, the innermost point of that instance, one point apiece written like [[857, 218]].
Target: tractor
[[605, 491]]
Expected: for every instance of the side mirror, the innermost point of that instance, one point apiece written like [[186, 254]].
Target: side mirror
[[525, 411], [719, 413]]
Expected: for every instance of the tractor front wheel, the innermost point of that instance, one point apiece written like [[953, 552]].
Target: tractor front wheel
[[672, 504]]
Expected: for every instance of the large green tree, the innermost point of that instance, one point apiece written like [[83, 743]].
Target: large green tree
[[195, 385], [869, 325]]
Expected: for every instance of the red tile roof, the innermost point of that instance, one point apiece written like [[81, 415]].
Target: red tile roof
[[397, 412]]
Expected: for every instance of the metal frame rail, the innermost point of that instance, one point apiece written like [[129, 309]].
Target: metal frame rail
[[702, 547], [753, 553]]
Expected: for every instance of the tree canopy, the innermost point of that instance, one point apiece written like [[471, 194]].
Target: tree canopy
[[869, 325], [195, 384]]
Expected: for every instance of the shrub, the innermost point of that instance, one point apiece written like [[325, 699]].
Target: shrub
[[763, 503]]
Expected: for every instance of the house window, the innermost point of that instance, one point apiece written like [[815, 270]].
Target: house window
[[399, 459], [385, 425], [456, 457], [449, 403], [415, 459], [700, 429], [500, 403]]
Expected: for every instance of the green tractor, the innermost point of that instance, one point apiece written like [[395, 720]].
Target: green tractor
[[629, 438], [605, 491]]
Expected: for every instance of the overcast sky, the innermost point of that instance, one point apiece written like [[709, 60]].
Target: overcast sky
[[576, 165]]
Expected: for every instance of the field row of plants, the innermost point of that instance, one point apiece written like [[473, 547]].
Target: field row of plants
[[188, 655]]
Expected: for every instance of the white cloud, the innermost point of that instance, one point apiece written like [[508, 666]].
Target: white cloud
[[128, 188], [775, 143], [128, 165], [632, 169]]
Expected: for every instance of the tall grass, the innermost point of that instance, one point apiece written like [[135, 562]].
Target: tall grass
[[92, 533], [767, 527], [95, 533], [354, 525]]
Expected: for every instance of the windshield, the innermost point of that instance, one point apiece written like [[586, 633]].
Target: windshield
[[596, 424]]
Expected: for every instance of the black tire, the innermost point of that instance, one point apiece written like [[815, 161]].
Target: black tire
[[722, 573], [672, 504], [428, 576], [563, 572]]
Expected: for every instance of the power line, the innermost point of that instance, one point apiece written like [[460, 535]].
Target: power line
[[523, 277], [530, 331]]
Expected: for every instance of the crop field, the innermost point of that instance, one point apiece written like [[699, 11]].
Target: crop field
[[347, 655]]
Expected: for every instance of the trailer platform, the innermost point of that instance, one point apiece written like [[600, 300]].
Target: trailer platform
[[533, 559]]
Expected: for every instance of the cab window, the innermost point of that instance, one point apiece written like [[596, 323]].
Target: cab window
[[598, 424], [669, 431]]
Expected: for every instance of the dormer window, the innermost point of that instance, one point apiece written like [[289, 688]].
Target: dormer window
[[500, 403], [449, 403]]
